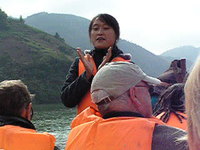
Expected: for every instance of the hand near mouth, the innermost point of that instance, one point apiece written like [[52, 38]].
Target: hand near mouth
[[106, 58], [87, 62]]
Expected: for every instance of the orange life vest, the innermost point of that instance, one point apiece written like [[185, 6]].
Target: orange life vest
[[117, 133], [87, 115], [18, 138], [174, 121], [86, 101]]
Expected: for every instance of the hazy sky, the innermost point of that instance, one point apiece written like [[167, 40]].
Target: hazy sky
[[156, 25]]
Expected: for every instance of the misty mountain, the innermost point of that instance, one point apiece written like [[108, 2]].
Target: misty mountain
[[189, 52], [149, 62], [74, 30]]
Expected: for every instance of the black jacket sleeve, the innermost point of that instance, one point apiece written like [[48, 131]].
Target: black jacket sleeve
[[75, 87], [169, 138]]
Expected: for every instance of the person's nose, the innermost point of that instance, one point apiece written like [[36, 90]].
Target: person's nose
[[100, 31]]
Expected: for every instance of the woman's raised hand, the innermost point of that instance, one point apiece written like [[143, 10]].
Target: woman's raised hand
[[87, 62]]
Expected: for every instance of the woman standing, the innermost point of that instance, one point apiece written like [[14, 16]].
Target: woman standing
[[104, 33]]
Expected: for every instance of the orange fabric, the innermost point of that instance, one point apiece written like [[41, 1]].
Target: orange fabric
[[118, 133], [86, 101], [174, 121], [18, 138], [87, 115]]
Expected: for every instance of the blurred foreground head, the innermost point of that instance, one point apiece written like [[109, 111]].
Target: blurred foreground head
[[192, 95]]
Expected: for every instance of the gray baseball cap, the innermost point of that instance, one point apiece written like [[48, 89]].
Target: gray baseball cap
[[117, 77]]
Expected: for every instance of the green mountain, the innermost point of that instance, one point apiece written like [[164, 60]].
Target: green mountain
[[39, 59], [74, 30]]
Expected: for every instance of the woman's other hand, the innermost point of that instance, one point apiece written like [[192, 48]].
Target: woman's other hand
[[106, 58]]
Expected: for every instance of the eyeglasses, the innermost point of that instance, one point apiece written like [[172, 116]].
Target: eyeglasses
[[150, 88], [108, 99]]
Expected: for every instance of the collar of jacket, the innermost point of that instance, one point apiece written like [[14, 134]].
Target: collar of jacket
[[16, 121], [122, 114], [115, 51]]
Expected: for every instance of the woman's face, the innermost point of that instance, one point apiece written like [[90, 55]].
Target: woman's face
[[102, 35]]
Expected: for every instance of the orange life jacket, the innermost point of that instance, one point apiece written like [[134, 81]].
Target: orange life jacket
[[87, 115], [117, 133], [86, 101], [174, 121], [18, 138]]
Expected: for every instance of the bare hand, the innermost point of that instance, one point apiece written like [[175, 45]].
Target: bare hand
[[87, 62], [106, 58]]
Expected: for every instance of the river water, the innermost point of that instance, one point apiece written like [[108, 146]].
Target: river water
[[54, 119]]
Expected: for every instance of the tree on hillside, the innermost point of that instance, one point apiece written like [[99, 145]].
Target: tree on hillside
[[57, 36], [3, 20], [21, 19]]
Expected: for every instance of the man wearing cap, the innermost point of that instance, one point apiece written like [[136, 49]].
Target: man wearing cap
[[120, 90]]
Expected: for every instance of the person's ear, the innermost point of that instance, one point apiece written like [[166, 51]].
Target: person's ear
[[27, 112], [133, 97]]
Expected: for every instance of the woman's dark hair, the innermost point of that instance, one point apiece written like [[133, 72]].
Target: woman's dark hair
[[171, 101], [109, 20]]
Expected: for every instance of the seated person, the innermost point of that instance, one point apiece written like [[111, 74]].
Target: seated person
[[120, 90], [176, 73], [16, 130], [171, 106]]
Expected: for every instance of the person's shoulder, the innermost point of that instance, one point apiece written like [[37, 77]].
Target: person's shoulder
[[126, 56], [166, 137], [169, 129], [75, 62], [88, 51]]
